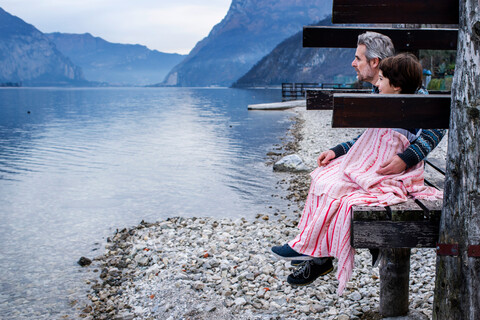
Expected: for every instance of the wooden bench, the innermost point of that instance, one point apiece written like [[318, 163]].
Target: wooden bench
[[295, 91], [394, 230], [322, 99], [414, 224]]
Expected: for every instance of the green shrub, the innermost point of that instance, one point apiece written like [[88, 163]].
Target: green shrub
[[436, 84], [448, 82]]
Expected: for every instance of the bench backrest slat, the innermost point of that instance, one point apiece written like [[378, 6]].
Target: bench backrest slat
[[323, 99], [404, 39], [391, 111], [396, 11]]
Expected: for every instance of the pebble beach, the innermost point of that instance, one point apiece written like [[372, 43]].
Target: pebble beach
[[206, 268]]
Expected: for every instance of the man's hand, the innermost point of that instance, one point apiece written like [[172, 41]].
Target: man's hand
[[393, 166], [325, 158]]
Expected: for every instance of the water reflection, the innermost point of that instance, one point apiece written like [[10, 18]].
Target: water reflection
[[77, 163]]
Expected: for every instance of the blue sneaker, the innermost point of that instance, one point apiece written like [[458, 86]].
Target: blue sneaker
[[287, 253], [309, 271]]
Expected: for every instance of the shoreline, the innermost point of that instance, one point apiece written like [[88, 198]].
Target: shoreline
[[206, 268]]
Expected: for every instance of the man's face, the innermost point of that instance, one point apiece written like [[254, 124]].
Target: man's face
[[366, 70]]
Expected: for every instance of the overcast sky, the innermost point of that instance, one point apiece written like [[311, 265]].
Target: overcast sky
[[173, 26]]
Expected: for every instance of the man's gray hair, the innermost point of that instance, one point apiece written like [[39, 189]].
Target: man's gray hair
[[378, 45]]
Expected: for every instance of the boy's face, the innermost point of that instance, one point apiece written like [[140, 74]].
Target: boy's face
[[384, 86], [366, 70]]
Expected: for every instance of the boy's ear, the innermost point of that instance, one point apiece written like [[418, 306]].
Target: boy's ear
[[397, 89]]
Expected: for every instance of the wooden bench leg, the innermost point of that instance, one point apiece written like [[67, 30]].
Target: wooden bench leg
[[394, 282]]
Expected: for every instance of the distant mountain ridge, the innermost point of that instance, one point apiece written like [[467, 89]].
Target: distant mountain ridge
[[249, 31], [114, 63], [28, 57], [290, 62]]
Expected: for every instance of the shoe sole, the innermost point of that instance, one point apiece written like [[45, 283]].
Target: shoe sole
[[307, 283], [299, 258], [296, 262]]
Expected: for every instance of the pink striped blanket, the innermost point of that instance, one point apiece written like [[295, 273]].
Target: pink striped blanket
[[352, 180]]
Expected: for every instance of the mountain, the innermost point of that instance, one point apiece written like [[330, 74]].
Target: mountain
[[117, 64], [249, 31], [27, 56], [290, 62]]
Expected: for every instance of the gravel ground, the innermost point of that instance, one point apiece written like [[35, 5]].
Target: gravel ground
[[205, 268]]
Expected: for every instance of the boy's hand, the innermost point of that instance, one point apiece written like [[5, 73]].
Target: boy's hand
[[325, 158], [393, 166]]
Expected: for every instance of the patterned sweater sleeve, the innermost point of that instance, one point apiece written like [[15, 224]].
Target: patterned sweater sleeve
[[422, 146], [343, 147]]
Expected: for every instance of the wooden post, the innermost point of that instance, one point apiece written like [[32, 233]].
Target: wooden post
[[457, 284], [394, 280]]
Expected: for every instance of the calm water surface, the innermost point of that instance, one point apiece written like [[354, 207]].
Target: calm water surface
[[75, 164]]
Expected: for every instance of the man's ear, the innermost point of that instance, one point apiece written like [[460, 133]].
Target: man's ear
[[374, 62]]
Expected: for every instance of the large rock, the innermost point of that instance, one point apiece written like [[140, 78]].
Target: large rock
[[292, 163]]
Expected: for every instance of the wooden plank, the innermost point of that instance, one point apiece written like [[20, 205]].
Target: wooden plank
[[407, 211], [277, 105], [407, 228], [394, 234], [437, 164], [408, 39], [323, 99], [391, 111], [434, 208], [396, 11], [366, 213]]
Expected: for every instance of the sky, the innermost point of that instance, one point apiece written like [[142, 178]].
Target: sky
[[172, 26]]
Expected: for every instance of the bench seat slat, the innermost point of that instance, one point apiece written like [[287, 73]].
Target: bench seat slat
[[372, 228], [406, 211]]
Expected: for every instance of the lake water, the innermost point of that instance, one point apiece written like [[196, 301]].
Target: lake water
[[76, 164]]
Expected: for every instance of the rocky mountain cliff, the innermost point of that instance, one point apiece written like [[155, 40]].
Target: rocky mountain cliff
[[27, 56], [114, 63], [290, 62], [249, 31]]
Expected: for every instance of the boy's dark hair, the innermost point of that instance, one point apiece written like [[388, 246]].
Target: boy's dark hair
[[403, 70]]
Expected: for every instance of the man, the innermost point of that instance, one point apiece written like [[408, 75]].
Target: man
[[372, 47]]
